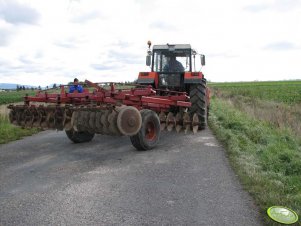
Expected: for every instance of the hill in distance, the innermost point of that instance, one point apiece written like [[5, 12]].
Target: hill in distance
[[13, 86]]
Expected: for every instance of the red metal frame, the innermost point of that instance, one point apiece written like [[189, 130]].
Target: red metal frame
[[145, 97]]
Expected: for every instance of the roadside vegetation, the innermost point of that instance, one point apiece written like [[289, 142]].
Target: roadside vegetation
[[259, 124], [9, 132]]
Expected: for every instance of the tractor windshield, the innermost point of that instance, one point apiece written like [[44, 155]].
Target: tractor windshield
[[172, 61]]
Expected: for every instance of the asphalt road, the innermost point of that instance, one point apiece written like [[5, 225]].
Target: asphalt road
[[187, 180]]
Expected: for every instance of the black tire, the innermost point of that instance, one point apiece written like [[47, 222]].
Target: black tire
[[149, 134], [198, 103], [79, 137]]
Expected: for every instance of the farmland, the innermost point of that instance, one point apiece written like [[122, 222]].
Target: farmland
[[259, 124], [14, 96], [288, 92]]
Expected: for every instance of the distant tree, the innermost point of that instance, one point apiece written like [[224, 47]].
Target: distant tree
[[39, 88], [54, 86], [23, 87], [18, 87]]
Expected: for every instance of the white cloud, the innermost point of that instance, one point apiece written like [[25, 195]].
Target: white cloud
[[54, 41], [17, 13], [281, 46]]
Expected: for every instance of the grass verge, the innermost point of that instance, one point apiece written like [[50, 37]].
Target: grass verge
[[267, 159], [9, 132]]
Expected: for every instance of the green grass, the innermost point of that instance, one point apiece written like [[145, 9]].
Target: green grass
[[14, 96], [259, 124], [9, 132], [266, 158], [288, 92]]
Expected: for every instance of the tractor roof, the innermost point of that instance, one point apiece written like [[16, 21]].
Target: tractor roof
[[172, 46]]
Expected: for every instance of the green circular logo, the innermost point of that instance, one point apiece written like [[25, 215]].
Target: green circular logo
[[282, 214]]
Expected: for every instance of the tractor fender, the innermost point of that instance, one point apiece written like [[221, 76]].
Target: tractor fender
[[148, 78], [193, 77]]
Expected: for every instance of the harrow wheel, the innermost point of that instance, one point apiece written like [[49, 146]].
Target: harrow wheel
[[149, 133], [198, 103], [79, 137]]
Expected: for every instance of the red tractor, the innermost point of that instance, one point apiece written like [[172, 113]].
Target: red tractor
[[172, 70], [171, 96]]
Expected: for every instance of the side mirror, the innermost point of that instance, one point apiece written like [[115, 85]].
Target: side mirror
[[203, 60], [148, 60]]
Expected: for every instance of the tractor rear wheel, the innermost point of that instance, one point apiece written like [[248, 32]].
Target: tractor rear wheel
[[198, 103], [79, 137], [149, 133]]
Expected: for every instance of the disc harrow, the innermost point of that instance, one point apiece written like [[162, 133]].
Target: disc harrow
[[179, 122], [115, 121], [108, 112]]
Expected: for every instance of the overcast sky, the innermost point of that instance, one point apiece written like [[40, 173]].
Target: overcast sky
[[46, 42]]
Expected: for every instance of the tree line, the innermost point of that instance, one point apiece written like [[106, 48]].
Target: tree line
[[22, 87]]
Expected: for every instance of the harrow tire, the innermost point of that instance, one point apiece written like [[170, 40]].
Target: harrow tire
[[198, 103], [79, 137], [149, 133]]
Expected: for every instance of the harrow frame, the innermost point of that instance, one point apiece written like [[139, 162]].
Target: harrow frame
[[107, 111]]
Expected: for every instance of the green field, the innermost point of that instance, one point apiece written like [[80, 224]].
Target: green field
[[14, 96], [259, 124], [281, 91]]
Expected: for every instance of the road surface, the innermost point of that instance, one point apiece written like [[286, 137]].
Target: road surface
[[187, 180]]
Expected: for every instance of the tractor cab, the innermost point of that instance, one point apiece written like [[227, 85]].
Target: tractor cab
[[169, 59], [172, 67]]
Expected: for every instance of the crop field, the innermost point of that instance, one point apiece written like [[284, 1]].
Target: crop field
[[288, 92], [259, 124], [14, 96]]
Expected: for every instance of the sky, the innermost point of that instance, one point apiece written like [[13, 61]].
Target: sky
[[46, 42]]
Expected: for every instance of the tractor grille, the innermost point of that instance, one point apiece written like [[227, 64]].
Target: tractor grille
[[170, 80]]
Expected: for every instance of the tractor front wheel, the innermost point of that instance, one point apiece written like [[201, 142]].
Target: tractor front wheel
[[79, 137], [149, 133]]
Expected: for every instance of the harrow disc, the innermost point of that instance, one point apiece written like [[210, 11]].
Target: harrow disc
[[186, 122], [129, 121], [67, 120], [105, 123], [179, 122], [91, 122], [195, 123], [13, 117], [74, 120], [170, 121], [162, 118], [98, 124], [112, 119]]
